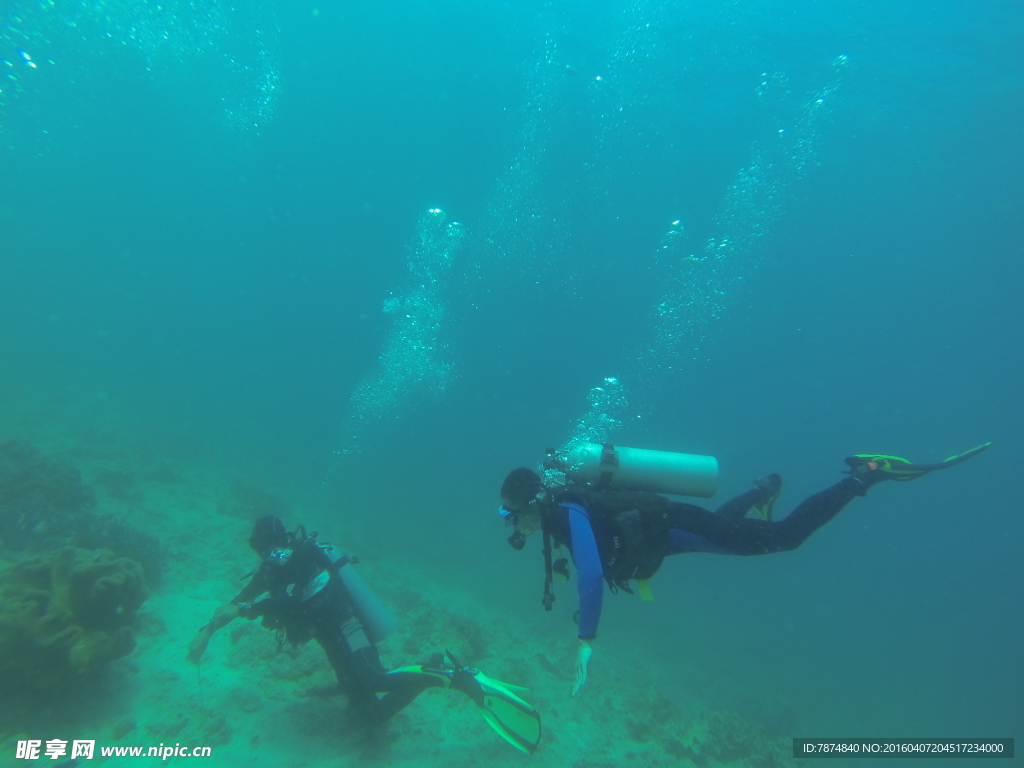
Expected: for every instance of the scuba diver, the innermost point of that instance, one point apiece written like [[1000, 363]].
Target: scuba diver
[[602, 506], [307, 590]]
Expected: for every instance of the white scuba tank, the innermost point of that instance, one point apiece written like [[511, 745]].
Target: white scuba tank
[[377, 620], [640, 469]]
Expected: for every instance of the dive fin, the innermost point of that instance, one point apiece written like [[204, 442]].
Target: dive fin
[[772, 486], [643, 587], [954, 460], [442, 678], [512, 717], [895, 468]]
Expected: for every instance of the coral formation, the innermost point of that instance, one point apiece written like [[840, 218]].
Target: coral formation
[[65, 614], [109, 532], [44, 505], [39, 497]]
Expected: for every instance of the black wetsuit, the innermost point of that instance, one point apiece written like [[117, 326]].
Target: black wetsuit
[[728, 531], [615, 536], [328, 618]]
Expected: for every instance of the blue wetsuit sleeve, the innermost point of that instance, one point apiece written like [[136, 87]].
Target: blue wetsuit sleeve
[[589, 574]]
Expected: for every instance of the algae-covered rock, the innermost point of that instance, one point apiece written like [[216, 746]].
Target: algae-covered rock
[[44, 504], [40, 498], [102, 531], [65, 614]]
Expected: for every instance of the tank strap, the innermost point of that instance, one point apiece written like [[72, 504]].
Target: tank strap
[[549, 595], [333, 566], [609, 457]]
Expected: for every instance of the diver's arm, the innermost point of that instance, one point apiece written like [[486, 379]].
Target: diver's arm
[[230, 611], [589, 574], [590, 577], [257, 586], [223, 616]]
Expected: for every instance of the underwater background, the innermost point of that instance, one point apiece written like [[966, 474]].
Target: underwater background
[[351, 263]]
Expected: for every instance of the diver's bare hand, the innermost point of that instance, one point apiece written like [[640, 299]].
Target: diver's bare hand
[[197, 647], [223, 616], [582, 660]]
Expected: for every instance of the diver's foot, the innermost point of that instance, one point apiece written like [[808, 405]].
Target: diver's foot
[[772, 486], [871, 468]]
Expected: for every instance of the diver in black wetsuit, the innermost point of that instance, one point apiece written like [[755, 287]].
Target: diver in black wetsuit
[[619, 535], [297, 591], [302, 590]]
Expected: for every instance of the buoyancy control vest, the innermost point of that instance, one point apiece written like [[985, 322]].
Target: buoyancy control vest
[[621, 490], [631, 529], [297, 573]]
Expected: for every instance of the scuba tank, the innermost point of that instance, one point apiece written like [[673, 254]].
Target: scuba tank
[[624, 469], [640, 469], [375, 618]]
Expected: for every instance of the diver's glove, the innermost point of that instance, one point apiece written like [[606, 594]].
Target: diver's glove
[[582, 660]]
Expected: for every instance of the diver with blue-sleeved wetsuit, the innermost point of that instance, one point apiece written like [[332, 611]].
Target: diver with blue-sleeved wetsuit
[[616, 535]]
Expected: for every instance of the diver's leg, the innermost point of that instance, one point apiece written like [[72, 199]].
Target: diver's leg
[[697, 530], [401, 689], [737, 508], [813, 512], [361, 674], [334, 640]]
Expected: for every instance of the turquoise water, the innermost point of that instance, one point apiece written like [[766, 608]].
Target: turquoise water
[[365, 260]]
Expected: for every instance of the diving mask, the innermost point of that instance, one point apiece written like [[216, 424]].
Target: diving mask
[[280, 556]]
